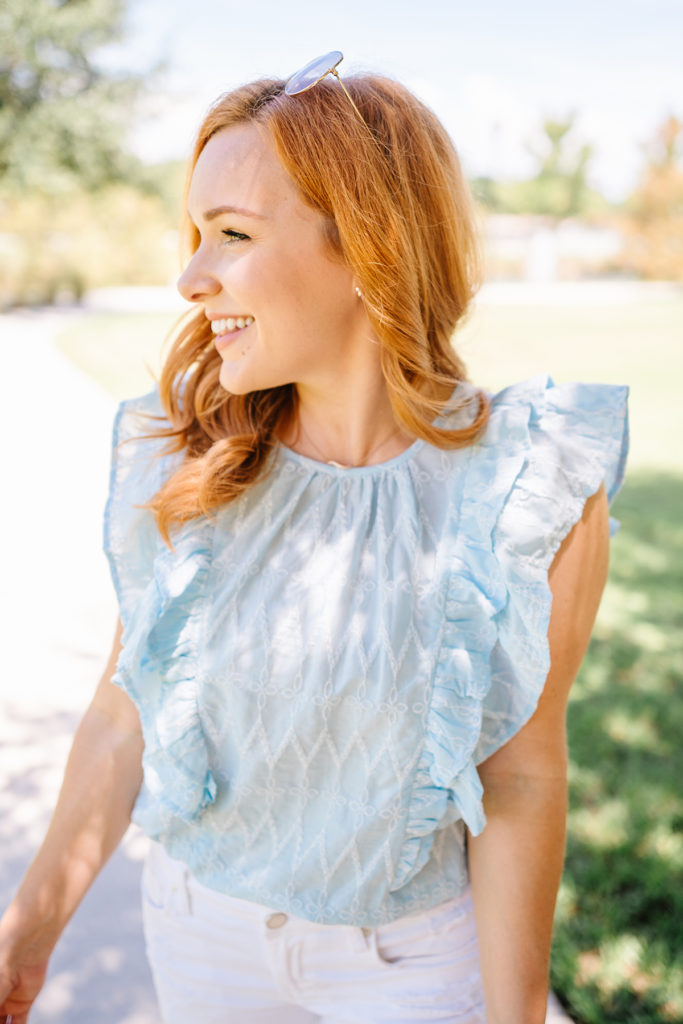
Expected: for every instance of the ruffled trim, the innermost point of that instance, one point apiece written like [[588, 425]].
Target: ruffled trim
[[159, 593], [158, 670], [546, 450], [131, 538], [447, 786], [578, 440]]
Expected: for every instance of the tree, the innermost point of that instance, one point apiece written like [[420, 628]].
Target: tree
[[63, 117], [77, 209], [561, 183], [654, 212], [559, 188]]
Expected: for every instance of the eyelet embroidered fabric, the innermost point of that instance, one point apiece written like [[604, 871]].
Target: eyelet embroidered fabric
[[320, 667]]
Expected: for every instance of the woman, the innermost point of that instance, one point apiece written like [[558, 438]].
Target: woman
[[336, 701]]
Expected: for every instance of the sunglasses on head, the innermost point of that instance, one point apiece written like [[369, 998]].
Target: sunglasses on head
[[314, 72]]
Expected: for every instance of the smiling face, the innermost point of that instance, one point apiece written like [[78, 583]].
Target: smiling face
[[282, 305]]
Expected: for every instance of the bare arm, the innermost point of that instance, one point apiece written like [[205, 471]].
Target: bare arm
[[102, 779], [516, 862]]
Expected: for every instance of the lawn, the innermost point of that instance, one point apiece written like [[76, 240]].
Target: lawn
[[618, 954], [122, 351]]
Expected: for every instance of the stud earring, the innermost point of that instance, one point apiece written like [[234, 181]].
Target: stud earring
[[359, 292]]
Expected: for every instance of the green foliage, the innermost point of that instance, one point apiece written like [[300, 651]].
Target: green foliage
[[542, 196], [561, 179], [559, 188], [618, 952], [52, 250], [167, 181], [62, 116], [77, 210]]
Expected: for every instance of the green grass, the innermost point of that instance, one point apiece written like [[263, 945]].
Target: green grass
[[121, 351], [634, 342], [617, 954]]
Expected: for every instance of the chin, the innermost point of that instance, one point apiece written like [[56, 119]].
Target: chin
[[233, 382], [240, 378], [241, 384]]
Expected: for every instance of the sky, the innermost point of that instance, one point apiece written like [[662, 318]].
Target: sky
[[491, 69]]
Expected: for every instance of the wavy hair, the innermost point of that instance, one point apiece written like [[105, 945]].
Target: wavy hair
[[400, 215]]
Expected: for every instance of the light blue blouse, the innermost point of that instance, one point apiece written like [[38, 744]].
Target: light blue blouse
[[321, 665]]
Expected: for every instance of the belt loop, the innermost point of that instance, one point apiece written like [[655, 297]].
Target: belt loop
[[359, 938], [179, 898]]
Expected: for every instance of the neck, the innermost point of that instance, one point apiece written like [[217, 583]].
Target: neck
[[352, 426]]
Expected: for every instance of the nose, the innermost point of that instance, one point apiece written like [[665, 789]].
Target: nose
[[196, 283]]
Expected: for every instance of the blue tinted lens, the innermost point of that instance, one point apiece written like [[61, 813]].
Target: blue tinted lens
[[313, 72]]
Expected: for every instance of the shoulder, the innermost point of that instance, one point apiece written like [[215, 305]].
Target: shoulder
[[139, 416], [576, 579], [534, 510], [561, 444], [139, 458], [139, 466], [545, 450], [525, 557], [590, 419]]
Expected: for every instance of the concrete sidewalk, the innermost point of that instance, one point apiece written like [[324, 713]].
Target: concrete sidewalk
[[57, 626]]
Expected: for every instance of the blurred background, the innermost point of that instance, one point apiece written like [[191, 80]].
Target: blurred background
[[569, 123]]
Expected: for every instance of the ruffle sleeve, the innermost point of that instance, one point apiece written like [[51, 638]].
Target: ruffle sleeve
[[546, 450], [159, 592], [138, 469], [578, 440]]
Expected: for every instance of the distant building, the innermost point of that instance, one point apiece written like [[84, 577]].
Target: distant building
[[540, 249]]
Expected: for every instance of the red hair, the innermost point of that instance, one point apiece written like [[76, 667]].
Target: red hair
[[400, 215]]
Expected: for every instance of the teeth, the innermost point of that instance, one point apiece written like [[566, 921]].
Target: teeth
[[230, 323]]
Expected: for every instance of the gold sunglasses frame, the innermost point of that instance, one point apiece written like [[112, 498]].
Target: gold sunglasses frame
[[328, 63]]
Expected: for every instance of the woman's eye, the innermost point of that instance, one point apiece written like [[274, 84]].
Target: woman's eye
[[234, 236]]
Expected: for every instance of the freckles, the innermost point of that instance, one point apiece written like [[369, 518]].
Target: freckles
[[245, 347]]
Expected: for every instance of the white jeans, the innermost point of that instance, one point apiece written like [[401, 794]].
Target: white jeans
[[221, 960]]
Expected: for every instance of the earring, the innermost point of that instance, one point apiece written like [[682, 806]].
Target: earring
[[359, 292]]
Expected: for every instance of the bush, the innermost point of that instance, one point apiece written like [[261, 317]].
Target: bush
[[57, 247]]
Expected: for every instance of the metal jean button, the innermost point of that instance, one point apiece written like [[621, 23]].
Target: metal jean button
[[276, 920]]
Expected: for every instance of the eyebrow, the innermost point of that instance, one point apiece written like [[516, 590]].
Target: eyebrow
[[218, 210]]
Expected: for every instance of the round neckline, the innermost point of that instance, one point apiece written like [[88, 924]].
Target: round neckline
[[346, 471], [375, 468]]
